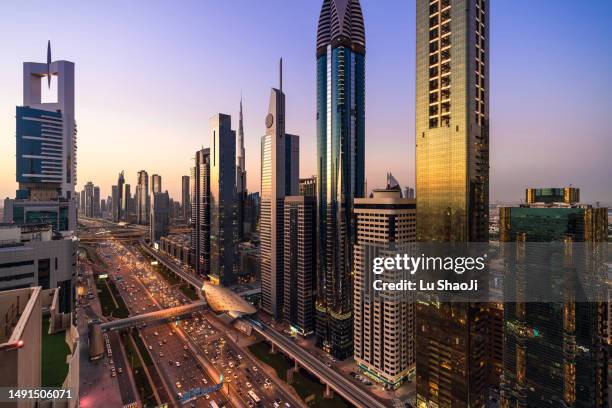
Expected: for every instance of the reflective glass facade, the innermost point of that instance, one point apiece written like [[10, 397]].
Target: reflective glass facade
[[340, 171], [554, 353], [452, 183]]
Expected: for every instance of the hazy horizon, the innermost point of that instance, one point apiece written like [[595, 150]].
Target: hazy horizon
[[149, 76]]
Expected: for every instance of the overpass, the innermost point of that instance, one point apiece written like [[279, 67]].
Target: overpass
[[194, 281], [332, 379], [150, 317]]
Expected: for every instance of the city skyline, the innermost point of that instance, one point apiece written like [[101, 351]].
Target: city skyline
[[544, 160]]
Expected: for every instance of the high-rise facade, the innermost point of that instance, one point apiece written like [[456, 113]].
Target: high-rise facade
[[568, 195], [143, 200], [89, 199], [452, 188], [185, 203], [299, 273], [340, 54], [120, 202], [554, 353], [200, 212], [241, 176], [46, 133], [96, 202], [126, 202], [383, 325], [308, 186], [46, 149], [115, 204], [156, 184], [222, 209], [160, 215], [276, 176]]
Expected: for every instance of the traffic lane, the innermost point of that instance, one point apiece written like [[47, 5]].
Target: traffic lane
[[120, 362]]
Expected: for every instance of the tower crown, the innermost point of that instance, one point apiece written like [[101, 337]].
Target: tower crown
[[341, 23]]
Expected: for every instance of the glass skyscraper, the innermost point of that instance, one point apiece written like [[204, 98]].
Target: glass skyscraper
[[340, 165], [452, 189]]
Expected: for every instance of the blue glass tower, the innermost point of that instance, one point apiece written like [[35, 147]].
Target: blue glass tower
[[340, 165]]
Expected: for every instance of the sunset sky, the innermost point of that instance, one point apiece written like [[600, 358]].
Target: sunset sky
[[149, 74]]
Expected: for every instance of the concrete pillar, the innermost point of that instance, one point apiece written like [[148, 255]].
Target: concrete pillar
[[328, 392], [272, 349]]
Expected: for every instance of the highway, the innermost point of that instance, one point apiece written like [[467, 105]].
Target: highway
[[169, 263], [346, 389]]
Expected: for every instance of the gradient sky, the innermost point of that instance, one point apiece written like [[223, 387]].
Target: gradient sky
[[151, 73]]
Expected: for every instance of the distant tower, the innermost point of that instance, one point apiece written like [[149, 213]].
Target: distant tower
[[223, 230], [241, 176], [121, 197], [278, 174], [185, 206], [143, 203], [156, 184], [340, 54]]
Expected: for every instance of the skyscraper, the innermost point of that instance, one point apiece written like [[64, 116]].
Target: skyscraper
[[241, 176], [200, 212], [143, 202], [554, 353], [96, 202], [46, 133], [223, 229], [45, 149], [160, 214], [126, 203], [308, 186], [299, 272], [120, 202], [383, 325], [115, 204], [340, 56], [156, 184], [452, 188], [276, 177], [185, 206], [89, 199], [568, 195]]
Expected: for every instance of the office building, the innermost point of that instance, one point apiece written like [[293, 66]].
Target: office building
[[299, 273], [82, 201], [308, 187], [46, 134], [340, 165], [160, 216], [223, 228], [251, 213], [102, 208], [116, 204], [53, 212], [143, 199], [185, 205], [278, 174], [200, 212], [554, 353], [89, 199], [568, 195], [35, 255], [241, 176], [408, 192], [452, 189], [156, 184], [120, 202], [383, 324], [96, 202], [126, 205]]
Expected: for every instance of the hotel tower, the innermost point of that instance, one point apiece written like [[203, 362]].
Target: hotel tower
[[452, 183], [340, 165]]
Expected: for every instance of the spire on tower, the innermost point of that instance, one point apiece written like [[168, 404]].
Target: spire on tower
[[49, 63]]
